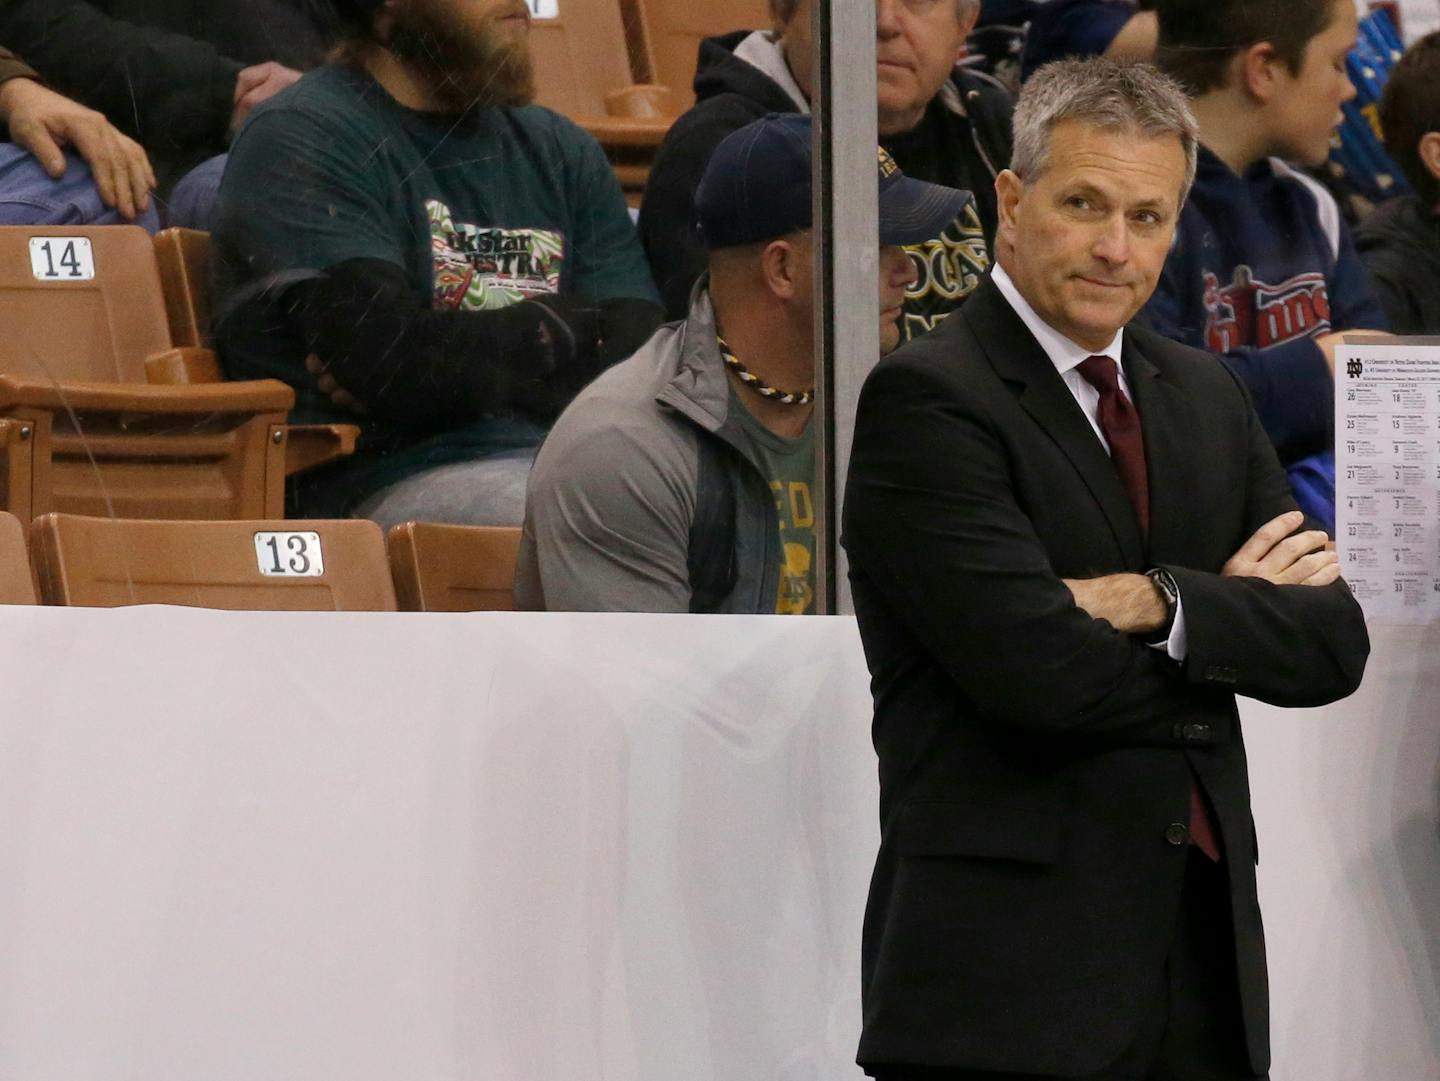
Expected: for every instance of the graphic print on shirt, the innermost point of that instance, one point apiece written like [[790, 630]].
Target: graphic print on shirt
[[797, 543], [1249, 313], [481, 268], [950, 268]]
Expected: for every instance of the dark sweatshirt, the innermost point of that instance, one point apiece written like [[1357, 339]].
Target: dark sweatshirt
[[962, 141], [12, 67], [1262, 265], [1400, 244]]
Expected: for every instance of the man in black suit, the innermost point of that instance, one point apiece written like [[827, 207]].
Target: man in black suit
[[1071, 547]]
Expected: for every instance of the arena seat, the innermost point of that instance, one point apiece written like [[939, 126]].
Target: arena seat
[[100, 411], [17, 584], [183, 259], [452, 568], [590, 69], [669, 33], [239, 565], [584, 67]]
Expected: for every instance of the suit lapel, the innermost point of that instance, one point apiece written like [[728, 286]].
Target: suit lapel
[[1018, 359], [1164, 420]]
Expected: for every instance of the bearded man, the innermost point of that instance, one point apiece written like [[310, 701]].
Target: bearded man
[[402, 236]]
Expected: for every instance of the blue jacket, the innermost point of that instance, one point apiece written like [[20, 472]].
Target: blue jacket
[[1263, 264]]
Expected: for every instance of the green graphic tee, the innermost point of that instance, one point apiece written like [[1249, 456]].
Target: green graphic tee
[[789, 466], [480, 211]]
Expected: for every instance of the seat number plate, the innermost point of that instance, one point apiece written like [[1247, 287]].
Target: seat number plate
[[543, 9], [62, 258], [289, 555]]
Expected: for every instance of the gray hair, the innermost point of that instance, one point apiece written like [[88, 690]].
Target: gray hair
[[1104, 94], [784, 10]]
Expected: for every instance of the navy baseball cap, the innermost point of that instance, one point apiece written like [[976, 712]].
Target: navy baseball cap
[[757, 187]]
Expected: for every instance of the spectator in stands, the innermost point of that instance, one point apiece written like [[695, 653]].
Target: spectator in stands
[[1119, 29], [1400, 242], [1264, 271], [106, 177], [681, 479], [177, 75], [455, 262], [943, 125]]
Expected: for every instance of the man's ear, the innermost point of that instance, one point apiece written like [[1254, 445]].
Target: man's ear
[[1009, 191], [1257, 71], [1430, 152], [780, 267]]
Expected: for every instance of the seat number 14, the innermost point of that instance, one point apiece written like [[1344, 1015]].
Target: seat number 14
[[62, 258]]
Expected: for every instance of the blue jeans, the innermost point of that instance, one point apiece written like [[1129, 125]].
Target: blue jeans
[[193, 200], [29, 196]]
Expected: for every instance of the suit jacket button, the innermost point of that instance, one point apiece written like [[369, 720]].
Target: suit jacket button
[[1176, 834], [1219, 673], [1198, 733]]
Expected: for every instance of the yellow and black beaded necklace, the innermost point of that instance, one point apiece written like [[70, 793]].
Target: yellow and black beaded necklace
[[746, 376]]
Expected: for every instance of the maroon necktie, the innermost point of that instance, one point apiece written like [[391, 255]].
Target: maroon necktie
[[1121, 425]]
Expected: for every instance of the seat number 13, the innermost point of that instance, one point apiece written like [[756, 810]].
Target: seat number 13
[[289, 555]]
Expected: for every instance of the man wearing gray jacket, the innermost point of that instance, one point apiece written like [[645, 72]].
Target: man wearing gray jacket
[[680, 480]]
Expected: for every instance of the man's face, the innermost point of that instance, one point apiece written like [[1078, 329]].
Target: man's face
[[1305, 111], [470, 52], [1086, 241], [897, 273], [917, 43]]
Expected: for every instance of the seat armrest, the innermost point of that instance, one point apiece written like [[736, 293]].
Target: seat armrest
[[251, 396], [649, 101], [183, 366], [310, 445], [620, 131]]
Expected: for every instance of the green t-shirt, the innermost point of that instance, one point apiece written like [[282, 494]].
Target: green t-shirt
[[480, 212], [789, 466]]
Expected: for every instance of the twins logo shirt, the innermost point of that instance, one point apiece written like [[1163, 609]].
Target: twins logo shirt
[[1250, 312], [1262, 265]]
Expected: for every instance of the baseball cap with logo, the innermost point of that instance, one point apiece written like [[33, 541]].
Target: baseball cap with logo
[[757, 187]]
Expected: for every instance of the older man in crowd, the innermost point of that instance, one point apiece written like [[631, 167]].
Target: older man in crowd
[[940, 124], [1072, 546]]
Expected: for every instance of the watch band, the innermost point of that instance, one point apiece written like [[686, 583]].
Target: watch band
[[1170, 591]]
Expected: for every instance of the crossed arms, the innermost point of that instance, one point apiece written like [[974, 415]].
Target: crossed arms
[[1132, 604], [933, 523]]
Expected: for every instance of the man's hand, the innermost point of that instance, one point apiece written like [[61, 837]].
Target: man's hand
[[1280, 555], [1329, 342], [1130, 603], [256, 84], [325, 383], [43, 122]]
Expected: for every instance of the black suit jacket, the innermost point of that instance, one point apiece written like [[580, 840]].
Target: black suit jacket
[[1033, 761]]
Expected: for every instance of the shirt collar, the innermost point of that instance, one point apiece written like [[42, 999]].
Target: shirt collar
[[1065, 354]]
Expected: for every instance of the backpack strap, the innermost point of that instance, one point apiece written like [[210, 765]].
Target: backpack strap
[[711, 559]]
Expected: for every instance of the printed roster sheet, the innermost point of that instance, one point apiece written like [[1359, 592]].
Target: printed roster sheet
[[1387, 477]]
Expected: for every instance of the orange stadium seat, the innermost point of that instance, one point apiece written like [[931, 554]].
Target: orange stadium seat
[[303, 565], [183, 259], [669, 33], [453, 568], [101, 412], [590, 69], [17, 584]]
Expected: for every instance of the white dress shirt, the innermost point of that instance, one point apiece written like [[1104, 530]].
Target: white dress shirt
[[1067, 356]]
